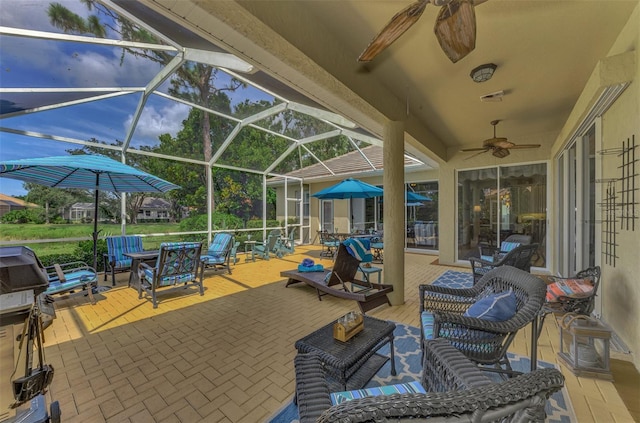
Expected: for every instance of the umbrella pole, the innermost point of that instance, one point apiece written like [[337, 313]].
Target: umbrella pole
[[95, 225]]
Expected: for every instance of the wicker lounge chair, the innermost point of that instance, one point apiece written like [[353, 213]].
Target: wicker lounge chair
[[218, 255], [457, 391], [442, 315], [519, 257], [178, 266], [340, 281]]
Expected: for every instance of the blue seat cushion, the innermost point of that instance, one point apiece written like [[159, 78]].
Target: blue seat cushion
[[169, 279], [401, 388], [73, 280], [496, 307], [215, 258]]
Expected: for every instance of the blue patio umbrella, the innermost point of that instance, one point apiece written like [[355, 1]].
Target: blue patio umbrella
[[413, 197], [349, 188], [86, 172]]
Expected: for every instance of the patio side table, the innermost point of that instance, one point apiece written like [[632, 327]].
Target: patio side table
[[351, 364]]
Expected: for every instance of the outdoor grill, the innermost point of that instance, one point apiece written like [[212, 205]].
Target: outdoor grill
[[21, 270]]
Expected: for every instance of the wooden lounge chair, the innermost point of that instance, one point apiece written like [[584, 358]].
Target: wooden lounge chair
[[286, 245], [340, 282]]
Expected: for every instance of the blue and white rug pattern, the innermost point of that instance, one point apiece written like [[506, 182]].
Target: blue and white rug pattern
[[454, 279]]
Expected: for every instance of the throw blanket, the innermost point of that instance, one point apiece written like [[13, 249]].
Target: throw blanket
[[359, 248]]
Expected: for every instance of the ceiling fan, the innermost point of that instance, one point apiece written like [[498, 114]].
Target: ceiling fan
[[499, 146], [455, 28]]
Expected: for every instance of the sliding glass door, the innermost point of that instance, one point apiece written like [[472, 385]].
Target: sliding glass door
[[496, 202]]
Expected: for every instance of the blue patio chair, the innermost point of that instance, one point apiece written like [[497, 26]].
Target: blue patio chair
[[233, 258], [329, 244], [269, 246], [286, 245], [67, 277], [218, 255], [178, 266], [115, 260]]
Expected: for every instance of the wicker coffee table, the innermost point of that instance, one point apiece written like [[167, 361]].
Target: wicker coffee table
[[351, 364]]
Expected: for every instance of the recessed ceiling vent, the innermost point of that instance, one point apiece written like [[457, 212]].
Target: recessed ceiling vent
[[497, 96]]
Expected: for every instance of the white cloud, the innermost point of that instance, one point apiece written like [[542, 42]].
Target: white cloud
[[154, 122]]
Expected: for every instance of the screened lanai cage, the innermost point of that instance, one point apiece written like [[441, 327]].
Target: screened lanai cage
[[116, 79]]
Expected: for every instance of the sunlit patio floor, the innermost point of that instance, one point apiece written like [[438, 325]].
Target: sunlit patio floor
[[227, 356]]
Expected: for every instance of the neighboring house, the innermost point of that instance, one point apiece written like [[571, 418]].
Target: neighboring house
[[154, 209], [9, 204], [79, 211]]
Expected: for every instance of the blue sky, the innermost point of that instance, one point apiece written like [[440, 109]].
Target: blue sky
[[28, 62]]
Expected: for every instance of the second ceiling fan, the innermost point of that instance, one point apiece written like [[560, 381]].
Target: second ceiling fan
[[498, 146], [455, 28]]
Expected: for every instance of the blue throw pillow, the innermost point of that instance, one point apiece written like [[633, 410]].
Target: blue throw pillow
[[495, 307]]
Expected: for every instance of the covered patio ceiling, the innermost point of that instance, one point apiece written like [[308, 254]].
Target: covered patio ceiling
[[544, 51], [70, 90]]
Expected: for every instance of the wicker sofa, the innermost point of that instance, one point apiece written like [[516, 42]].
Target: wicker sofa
[[456, 391]]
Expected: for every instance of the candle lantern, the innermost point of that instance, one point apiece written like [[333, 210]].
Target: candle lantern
[[584, 346]]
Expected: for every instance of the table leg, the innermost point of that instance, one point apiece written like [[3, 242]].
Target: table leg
[[133, 276], [392, 358], [534, 344]]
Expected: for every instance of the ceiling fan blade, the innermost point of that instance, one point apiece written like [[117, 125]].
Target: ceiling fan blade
[[397, 26], [477, 154], [466, 150], [526, 146], [455, 29]]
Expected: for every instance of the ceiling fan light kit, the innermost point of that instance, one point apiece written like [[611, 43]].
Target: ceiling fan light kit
[[483, 72], [498, 146]]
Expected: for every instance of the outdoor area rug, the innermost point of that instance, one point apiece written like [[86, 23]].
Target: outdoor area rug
[[407, 358], [454, 279]]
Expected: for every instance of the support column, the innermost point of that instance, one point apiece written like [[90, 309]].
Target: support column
[[394, 209]]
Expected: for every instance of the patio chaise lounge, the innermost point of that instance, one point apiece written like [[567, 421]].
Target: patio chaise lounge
[[456, 391], [218, 255], [67, 277], [340, 282]]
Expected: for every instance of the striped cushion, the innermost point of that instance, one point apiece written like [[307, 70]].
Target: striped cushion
[[508, 246], [123, 263], [169, 279], [73, 280], [219, 245], [402, 388], [427, 324], [118, 245], [487, 258], [574, 288]]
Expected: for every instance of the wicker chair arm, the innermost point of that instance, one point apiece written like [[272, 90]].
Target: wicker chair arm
[[518, 399], [452, 321]]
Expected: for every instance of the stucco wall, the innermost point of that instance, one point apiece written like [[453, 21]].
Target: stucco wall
[[620, 291]]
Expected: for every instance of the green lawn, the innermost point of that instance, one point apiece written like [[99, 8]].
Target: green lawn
[[28, 232]]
